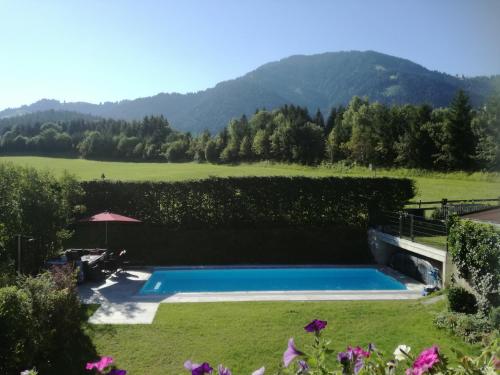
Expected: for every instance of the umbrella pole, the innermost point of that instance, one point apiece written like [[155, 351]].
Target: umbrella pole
[[106, 242]]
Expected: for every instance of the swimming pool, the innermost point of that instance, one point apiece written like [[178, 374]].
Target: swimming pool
[[268, 279]]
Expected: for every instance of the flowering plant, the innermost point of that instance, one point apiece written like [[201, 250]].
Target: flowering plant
[[103, 366], [319, 359]]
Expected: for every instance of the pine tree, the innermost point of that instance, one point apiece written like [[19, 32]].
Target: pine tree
[[319, 120], [459, 141]]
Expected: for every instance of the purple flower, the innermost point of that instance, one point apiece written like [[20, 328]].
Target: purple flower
[[223, 370], [100, 365], [303, 367], [197, 369], [344, 357], [316, 326], [204, 368], [353, 355], [188, 365], [358, 365], [259, 371], [290, 353], [117, 372]]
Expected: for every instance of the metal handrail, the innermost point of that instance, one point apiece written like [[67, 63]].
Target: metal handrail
[[444, 201], [406, 225]]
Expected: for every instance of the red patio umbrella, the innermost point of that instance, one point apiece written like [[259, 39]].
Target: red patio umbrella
[[107, 217]]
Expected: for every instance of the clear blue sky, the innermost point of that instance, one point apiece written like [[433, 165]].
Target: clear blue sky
[[99, 50]]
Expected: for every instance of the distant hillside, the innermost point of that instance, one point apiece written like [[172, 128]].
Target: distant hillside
[[317, 81], [41, 117]]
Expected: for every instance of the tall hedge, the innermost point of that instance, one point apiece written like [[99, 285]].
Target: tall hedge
[[475, 250], [250, 201]]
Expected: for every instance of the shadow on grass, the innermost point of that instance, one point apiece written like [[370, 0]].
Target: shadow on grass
[[70, 351]]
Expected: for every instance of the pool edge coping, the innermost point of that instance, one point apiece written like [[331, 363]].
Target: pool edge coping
[[413, 288]]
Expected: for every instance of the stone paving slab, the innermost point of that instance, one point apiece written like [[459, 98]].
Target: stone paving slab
[[125, 313], [334, 295]]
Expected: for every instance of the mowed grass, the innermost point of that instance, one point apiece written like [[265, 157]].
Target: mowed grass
[[248, 335], [430, 185]]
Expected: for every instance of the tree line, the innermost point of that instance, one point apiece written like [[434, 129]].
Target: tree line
[[457, 137]]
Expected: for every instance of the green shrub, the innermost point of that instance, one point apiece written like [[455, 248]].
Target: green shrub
[[471, 327], [475, 250], [41, 325], [495, 317], [15, 328], [460, 300], [36, 204]]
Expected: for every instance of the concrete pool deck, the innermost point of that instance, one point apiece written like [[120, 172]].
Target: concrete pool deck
[[121, 303]]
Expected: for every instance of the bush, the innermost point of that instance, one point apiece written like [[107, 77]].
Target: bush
[[495, 318], [460, 300], [38, 205], [475, 250], [472, 328], [15, 327], [41, 325], [160, 245], [255, 201]]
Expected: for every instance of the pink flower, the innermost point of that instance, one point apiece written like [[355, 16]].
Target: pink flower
[[496, 363], [359, 352], [259, 371], [425, 361], [100, 365]]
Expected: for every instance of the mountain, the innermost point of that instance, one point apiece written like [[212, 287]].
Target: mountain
[[41, 117], [316, 81]]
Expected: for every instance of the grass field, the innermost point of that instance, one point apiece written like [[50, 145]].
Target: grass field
[[248, 335], [430, 185]]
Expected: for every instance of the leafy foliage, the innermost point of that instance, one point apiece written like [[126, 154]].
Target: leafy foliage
[[363, 133], [316, 359], [41, 325], [460, 300], [470, 327], [38, 206], [256, 201], [475, 250]]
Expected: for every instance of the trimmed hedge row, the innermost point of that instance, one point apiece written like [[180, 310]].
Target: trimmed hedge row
[[250, 201], [158, 245]]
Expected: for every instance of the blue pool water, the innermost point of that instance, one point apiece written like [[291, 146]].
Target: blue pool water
[[268, 279]]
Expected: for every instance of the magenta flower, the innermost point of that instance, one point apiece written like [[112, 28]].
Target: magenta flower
[[223, 370], [197, 369], [316, 326], [259, 371], [360, 353], [100, 365], [425, 361], [290, 353]]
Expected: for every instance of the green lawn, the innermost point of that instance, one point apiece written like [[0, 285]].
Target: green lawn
[[431, 186], [248, 335]]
